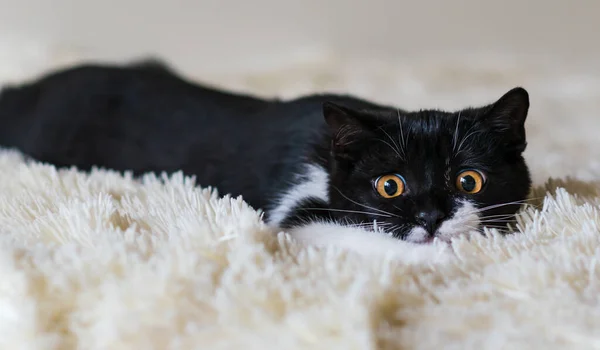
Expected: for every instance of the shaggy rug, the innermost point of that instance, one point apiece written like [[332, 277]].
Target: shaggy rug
[[104, 261]]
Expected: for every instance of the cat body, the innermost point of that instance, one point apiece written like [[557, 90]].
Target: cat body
[[314, 158]]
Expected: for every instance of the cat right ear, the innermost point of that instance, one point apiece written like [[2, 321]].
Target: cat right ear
[[347, 126], [507, 117]]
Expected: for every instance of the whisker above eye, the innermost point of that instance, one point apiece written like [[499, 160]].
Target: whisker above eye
[[394, 149], [455, 138], [397, 148], [403, 143], [468, 134]]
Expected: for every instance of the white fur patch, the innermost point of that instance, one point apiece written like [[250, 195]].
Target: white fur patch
[[464, 221], [314, 186]]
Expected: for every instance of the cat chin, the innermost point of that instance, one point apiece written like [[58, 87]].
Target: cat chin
[[370, 243]]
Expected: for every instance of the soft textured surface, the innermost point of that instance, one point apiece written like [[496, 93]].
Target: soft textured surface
[[102, 261]]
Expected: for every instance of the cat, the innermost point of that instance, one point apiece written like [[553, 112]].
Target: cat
[[413, 175]]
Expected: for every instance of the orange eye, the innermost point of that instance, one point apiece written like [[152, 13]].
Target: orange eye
[[470, 181], [389, 186]]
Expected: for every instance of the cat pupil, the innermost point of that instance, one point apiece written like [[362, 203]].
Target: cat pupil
[[468, 183], [390, 187]]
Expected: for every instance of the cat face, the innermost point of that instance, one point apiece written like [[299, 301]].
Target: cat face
[[426, 174]]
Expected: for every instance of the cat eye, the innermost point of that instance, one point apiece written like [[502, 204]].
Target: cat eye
[[389, 186], [470, 181]]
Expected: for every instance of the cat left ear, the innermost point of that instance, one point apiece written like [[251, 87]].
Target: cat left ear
[[347, 125], [508, 115]]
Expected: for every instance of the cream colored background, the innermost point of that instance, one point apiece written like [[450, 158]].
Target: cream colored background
[[216, 35]]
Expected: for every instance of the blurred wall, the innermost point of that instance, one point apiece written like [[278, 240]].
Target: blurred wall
[[233, 33]]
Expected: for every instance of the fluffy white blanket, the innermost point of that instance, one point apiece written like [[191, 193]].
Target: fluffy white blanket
[[102, 261]]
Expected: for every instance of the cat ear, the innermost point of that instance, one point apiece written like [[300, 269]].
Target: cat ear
[[507, 116], [347, 126]]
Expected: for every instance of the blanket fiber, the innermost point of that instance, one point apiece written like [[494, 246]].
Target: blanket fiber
[[106, 261]]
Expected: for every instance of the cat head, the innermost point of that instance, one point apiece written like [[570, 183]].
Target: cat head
[[429, 173]]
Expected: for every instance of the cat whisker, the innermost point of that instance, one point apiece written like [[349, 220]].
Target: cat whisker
[[397, 147], [496, 217], [390, 232], [502, 229], [488, 223], [455, 138], [511, 217], [347, 211], [368, 223], [363, 205], [499, 223], [360, 225], [504, 204], [394, 149], [493, 225], [401, 133], [519, 202], [527, 199], [476, 228], [395, 207], [463, 139]]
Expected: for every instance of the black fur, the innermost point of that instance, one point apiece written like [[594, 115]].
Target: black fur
[[429, 149], [144, 118]]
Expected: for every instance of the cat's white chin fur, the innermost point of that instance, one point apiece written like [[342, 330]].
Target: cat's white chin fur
[[463, 222], [370, 243]]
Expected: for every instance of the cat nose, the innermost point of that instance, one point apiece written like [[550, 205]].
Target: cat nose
[[430, 220]]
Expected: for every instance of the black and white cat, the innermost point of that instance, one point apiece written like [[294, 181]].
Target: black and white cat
[[322, 158]]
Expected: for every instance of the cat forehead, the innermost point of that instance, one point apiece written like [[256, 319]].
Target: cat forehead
[[424, 141], [427, 120], [433, 127]]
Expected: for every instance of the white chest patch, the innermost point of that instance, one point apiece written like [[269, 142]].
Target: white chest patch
[[313, 184]]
